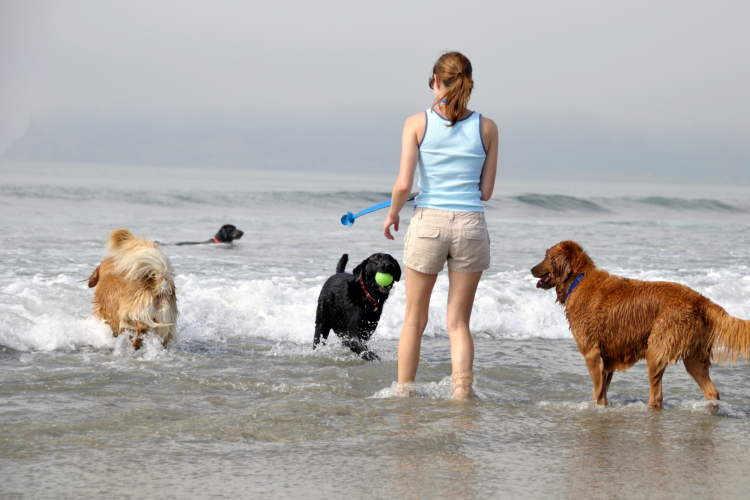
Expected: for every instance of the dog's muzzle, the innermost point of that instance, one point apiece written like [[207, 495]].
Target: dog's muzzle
[[544, 281]]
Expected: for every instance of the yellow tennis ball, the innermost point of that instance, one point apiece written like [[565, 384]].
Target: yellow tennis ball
[[383, 279]]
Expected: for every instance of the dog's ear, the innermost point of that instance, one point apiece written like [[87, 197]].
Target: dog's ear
[[94, 278], [222, 233], [397, 271], [118, 239], [357, 271], [560, 266]]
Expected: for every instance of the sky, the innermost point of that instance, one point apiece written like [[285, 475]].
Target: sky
[[592, 89]]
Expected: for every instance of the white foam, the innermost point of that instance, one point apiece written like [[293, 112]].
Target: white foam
[[275, 309], [429, 390], [55, 313], [713, 408], [49, 333], [284, 309], [700, 406], [49, 314], [592, 406], [151, 348]]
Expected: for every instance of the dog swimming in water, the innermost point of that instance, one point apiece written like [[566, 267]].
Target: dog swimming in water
[[226, 234]]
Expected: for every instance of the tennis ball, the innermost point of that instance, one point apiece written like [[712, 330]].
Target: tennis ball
[[383, 279]]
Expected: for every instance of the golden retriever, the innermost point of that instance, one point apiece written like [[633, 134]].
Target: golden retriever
[[619, 321], [135, 288]]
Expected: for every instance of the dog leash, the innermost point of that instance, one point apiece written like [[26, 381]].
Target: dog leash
[[573, 286], [348, 218], [375, 302]]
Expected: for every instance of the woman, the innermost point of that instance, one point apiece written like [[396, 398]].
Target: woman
[[455, 150]]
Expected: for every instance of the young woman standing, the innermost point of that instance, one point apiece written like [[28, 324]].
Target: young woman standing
[[455, 150]]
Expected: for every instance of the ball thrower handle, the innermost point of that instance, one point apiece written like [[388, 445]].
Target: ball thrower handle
[[349, 218]]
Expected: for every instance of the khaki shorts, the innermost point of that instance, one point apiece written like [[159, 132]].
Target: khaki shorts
[[435, 236]]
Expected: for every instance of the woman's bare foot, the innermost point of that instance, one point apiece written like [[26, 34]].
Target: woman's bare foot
[[461, 385], [404, 390]]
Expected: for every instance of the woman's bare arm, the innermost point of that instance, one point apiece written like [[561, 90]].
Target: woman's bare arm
[[489, 170], [410, 138]]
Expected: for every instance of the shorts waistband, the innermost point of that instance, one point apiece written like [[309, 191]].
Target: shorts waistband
[[448, 214]]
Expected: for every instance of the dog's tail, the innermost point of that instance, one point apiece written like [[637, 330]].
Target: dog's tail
[[731, 336], [140, 259], [342, 263]]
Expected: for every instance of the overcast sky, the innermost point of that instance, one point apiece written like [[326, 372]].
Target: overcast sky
[[664, 70]]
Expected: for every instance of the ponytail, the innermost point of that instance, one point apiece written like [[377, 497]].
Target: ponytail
[[454, 71]]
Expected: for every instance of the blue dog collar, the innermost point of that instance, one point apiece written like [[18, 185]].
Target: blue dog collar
[[573, 286]]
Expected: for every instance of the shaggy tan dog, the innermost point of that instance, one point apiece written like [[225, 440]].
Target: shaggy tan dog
[[135, 288], [618, 321]]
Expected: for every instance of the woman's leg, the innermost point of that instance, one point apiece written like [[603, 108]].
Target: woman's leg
[[461, 292], [418, 290]]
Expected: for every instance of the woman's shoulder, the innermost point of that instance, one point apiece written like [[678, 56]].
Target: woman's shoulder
[[416, 123], [489, 133], [488, 125], [417, 119]]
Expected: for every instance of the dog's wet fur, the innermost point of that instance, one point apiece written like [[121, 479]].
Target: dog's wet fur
[[344, 307], [226, 234], [135, 288], [618, 321]]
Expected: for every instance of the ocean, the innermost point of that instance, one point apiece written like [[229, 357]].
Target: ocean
[[240, 406]]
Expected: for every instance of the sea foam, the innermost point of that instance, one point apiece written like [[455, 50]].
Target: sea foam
[[50, 314]]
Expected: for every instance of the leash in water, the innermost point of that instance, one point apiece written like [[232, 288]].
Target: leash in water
[[349, 218]]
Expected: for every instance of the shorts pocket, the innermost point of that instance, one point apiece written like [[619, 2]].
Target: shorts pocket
[[474, 234], [428, 232]]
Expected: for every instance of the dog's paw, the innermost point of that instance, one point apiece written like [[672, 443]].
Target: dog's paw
[[370, 356], [318, 343]]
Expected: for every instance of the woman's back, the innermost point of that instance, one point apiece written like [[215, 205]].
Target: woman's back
[[450, 164]]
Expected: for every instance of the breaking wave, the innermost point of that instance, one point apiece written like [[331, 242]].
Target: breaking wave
[[55, 313]]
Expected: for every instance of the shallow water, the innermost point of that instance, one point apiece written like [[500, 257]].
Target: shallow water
[[240, 405]]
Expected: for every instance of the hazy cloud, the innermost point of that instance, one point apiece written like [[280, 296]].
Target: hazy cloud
[[577, 87]]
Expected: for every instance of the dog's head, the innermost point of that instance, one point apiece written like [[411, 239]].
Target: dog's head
[[227, 233], [562, 263], [378, 263]]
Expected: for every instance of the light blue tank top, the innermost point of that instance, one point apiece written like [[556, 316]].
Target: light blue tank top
[[450, 163]]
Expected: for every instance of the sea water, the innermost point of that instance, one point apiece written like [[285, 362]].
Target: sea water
[[240, 406]]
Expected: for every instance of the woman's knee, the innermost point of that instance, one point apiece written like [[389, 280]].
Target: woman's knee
[[457, 324], [417, 322], [417, 314]]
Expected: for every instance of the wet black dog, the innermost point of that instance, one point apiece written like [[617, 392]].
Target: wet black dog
[[226, 234], [351, 304]]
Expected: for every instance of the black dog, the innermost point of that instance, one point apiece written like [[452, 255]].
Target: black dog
[[226, 234], [351, 304]]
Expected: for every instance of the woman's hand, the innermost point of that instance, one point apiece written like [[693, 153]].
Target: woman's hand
[[391, 220]]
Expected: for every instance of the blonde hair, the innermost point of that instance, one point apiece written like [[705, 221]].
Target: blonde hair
[[454, 71]]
